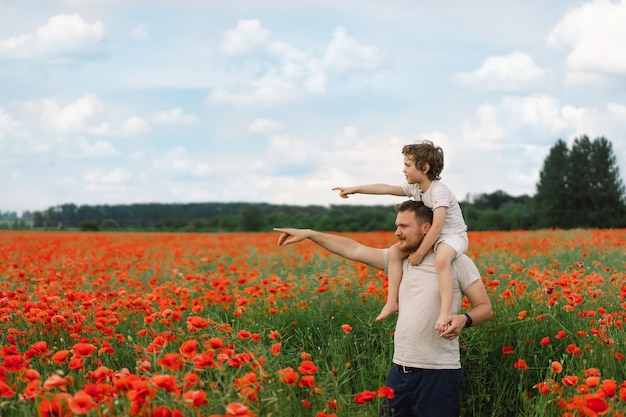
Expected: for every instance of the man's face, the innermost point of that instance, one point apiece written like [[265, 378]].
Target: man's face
[[408, 232]]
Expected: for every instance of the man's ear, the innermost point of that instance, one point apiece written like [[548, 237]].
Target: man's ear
[[426, 227]]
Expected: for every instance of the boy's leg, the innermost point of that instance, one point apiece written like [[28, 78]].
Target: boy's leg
[[394, 276], [443, 264]]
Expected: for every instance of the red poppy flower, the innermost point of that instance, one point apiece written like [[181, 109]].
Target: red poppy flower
[[60, 357], [386, 392], [275, 349], [81, 403], [55, 381], [521, 364], [364, 397], [171, 361], [244, 334], [196, 322], [237, 409], [608, 387], [51, 408], [41, 348], [188, 348], [346, 328], [545, 341], [543, 388], [507, 350], [84, 349], [165, 382], [288, 376], [5, 390], [307, 381], [196, 398], [215, 343], [592, 381], [274, 334], [14, 363], [592, 372], [307, 367], [570, 380]]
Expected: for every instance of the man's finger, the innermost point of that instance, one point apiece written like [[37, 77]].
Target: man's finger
[[283, 237]]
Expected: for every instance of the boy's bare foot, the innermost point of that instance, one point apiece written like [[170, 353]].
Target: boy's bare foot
[[387, 310]]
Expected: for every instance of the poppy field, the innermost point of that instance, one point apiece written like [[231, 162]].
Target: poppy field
[[230, 324]]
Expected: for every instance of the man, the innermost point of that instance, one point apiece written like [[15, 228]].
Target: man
[[426, 374]]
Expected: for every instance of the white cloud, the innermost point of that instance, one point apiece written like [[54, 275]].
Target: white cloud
[[115, 179], [489, 131], [65, 119], [7, 124], [299, 66], [539, 111], [291, 75], [100, 130], [265, 126], [595, 36], [247, 35], [345, 53], [513, 72], [61, 35], [141, 32], [286, 73], [178, 162], [134, 126], [174, 116], [99, 148]]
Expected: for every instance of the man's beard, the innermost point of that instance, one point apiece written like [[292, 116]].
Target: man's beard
[[409, 248]]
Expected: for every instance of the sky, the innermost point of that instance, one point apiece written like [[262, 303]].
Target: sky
[[179, 101]]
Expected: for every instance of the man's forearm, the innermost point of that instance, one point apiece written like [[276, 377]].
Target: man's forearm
[[480, 313], [349, 249], [339, 245], [336, 244]]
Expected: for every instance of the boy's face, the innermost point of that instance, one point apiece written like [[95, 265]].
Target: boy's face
[[412, 174]]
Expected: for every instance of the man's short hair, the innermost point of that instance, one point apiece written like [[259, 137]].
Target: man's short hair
[[422, 213]]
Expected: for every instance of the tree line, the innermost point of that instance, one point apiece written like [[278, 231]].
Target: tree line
[[578, 187]]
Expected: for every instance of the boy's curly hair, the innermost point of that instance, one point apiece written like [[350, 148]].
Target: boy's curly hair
[[425, 152]]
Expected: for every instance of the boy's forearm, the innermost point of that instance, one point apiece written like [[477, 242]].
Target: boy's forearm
[[379, 189]]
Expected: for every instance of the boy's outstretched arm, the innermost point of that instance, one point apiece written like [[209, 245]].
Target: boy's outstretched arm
[[339, 245], [378, 189]]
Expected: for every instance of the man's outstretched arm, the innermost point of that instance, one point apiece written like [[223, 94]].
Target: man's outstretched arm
[[340, 245]]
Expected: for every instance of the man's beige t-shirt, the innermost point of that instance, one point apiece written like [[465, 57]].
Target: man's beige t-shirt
[[416, 343]]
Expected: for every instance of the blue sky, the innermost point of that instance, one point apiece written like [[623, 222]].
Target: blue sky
[[118, 102]]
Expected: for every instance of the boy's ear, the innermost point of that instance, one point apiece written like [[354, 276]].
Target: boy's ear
[[426, 168]]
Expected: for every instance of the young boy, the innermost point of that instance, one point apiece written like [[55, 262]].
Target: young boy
[[423, 163]]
